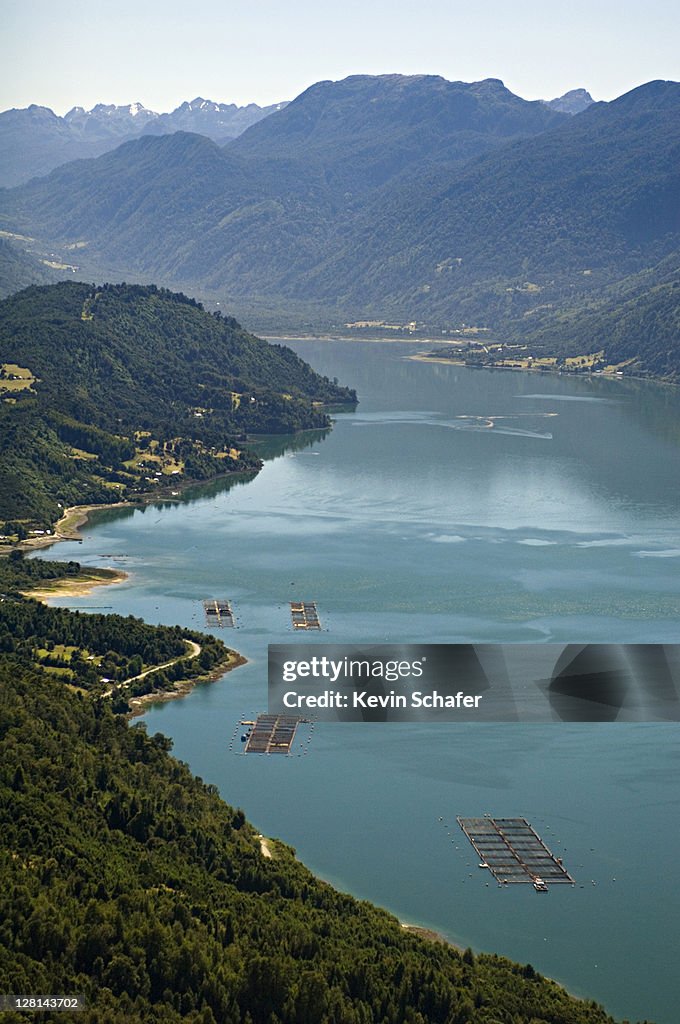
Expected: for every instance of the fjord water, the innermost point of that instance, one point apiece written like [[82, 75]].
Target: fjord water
[[453, 505]]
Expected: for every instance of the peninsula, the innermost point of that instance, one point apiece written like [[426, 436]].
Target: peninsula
[[125, 393]]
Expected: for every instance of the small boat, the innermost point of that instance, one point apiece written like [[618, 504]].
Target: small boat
[[540, 885]]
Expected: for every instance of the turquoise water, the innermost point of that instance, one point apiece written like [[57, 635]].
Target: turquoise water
[[453, 505]]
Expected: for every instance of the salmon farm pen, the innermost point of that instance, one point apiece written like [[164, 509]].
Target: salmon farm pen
[[304, 615], [513, 852], [218, 613], [271, 734]]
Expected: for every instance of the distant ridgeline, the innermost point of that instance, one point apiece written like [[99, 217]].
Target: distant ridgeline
[[35, 139], [401, 199], [110, 392], [128, 881]]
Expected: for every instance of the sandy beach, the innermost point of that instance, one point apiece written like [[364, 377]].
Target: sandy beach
[[76, 586], [68, 526], [65, 529], [420, 358], [429, 935], [88, 578]]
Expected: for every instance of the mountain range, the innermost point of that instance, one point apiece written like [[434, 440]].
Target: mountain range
[[316, 163], [35, 140], [407, 197]]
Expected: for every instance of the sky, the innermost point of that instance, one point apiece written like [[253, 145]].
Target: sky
[[63, 53]]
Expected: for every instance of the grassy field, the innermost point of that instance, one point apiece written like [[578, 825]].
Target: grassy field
[[15, 378]]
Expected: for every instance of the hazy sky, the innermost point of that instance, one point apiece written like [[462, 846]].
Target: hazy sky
[[60, 53]]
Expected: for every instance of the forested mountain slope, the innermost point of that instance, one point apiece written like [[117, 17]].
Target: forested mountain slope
[[635, 322], [564, 212], [114, 390], [260, 212], [366, 130], [18, 269]]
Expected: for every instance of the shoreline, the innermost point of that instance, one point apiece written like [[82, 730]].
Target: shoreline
[[423, 358], [83, 584], [72, 518], [66, 528], [80, 585], [139, 705], [419, 357], [429, 935], [452, 361], [326, 336]]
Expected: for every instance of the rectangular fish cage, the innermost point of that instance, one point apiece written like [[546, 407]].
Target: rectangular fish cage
[[272, 734], [218, 613], [304, 615], [513, 852]]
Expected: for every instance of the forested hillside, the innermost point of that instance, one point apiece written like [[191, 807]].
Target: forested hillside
[[367, 130], [128, 881], [112, 391], [18, 269], [543, 222], [255, 216], [636, 322]]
